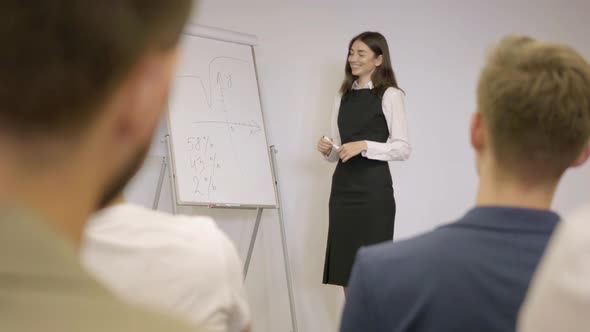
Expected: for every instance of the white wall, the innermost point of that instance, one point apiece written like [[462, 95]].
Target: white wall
[[437, 49]]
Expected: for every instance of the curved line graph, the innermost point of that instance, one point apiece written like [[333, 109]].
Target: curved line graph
[[209, 93], [204, 160]]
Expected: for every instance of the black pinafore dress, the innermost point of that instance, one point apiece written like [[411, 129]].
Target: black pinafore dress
[[362, 206]]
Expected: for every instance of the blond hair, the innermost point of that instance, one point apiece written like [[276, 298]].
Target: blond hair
[[535, 100]]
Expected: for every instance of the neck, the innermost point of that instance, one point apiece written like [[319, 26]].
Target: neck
[[364, 80], [59, 195], [498, 190]]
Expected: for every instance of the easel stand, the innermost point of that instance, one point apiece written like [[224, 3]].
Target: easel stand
[[273, 152]]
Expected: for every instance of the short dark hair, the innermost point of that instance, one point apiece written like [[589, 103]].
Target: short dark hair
[[61, 59]]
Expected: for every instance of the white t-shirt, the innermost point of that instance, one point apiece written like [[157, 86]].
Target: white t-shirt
[[559, 296], [179, 264]]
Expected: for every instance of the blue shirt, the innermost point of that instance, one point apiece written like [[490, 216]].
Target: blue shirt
[[471, 275]]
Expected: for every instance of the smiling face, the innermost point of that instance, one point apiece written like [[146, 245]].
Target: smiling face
[[363, 61]]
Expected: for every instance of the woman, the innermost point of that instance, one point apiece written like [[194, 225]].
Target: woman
[[368, 130]]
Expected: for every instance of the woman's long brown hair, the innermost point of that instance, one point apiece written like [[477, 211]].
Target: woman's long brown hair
[[383, 77]]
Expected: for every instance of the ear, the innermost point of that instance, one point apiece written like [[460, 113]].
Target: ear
[[583, 157], [145, 94], [379, 60], [477, 132]]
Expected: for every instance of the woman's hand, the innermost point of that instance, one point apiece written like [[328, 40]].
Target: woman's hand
[[351, 149], [324, 146]]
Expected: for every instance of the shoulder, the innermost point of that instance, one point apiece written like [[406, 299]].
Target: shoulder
[[571, 236], [133, 216], [393, 93], [580, 218], [140, 231], [163, 258], [127, 215], [418, 258], [412, 251], [400, 274]]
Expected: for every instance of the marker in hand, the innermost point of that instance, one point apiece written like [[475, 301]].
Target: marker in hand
[[330, 141]]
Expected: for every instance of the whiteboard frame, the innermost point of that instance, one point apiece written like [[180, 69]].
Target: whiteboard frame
[[203, 31]]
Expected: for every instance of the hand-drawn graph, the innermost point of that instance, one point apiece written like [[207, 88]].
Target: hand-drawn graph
[[203, 157], [216, 126]]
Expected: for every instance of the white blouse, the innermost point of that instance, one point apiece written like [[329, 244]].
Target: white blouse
[[397, 147]]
